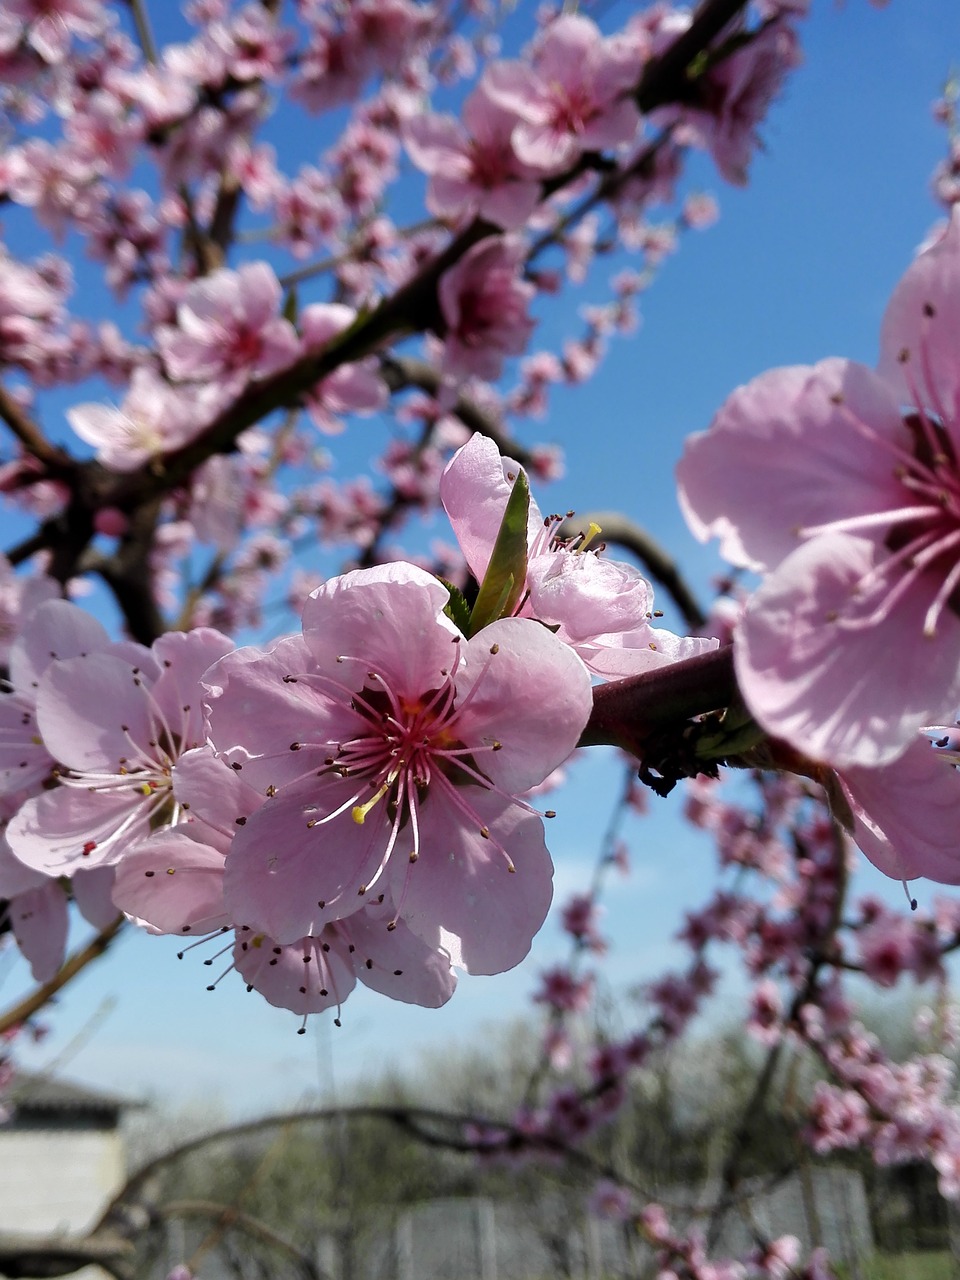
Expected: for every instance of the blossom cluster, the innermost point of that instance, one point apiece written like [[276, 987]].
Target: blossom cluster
[[349, 802], [357, 801], [839, 484]]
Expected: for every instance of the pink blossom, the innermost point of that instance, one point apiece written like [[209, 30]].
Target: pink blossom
[[609, 1200], [738, 90], [838, 1119], [564, 992], [317, 973], [254, 46], [351, 388], [153, 419], [852, 508], [52, 630], [382, 736], [116, 719], [310, 211], [20, 594], [229, 326], [579, 917], [472, 167], [172, 882], [484, 304], [574, 98], [904, 814], [766, 1013], [601, 608], [890, 946], [49, 24], [35, 905]]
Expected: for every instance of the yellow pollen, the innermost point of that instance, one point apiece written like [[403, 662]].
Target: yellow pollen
[[592, 530], [359, 811]]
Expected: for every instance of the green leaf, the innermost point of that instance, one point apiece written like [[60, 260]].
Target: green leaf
[[457, 609], [506, 575]]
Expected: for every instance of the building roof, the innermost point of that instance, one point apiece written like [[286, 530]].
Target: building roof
[[35, 1093]]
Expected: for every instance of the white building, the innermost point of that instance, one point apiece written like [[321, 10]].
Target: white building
[[61, 1157]]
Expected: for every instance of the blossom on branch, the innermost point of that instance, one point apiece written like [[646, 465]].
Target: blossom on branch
[[602, 608], [229, 327], [392, 751], [574, 97], [484, 302], [472, 166], [116, 719], [818, 478]]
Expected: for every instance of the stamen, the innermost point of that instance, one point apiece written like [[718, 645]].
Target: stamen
[[360, 811], [942, 598], [592, 530]]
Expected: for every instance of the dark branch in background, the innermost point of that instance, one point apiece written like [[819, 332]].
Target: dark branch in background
[[753, 1110], [110, 1241], [40, 1256], [399, 372], [56, 461], [250, 1226], [666, 78], [128, 574], [37, 542], [618, 528]]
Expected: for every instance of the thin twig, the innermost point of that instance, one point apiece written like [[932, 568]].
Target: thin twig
[[141, 21], [30, 1004]]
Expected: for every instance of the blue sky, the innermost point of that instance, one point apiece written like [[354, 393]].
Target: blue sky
[[799, 267]]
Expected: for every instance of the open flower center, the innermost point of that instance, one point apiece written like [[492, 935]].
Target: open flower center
[[923, 533], [405, 749]]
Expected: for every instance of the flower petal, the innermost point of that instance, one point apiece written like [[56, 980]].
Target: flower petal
[[815, 671], [793, 449]]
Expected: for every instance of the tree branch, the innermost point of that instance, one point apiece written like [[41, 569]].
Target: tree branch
[[27, 1007], [55, 459], [626, 713]]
